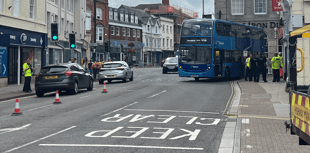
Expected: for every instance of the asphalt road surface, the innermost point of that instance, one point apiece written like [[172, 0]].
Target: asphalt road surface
[[154, 113]]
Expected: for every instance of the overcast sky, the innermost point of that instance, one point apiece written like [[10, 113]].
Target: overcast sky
[[195, 5]]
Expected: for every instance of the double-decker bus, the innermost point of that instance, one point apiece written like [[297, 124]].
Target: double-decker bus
[[211, 48]]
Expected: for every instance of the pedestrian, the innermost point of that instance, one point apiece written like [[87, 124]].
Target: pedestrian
[[281, 65], [27, 68], [90, 66], [253, 67], [70, 60], [248, 70], [276, 63], [74, 60], [261, 67], [269, 66], [95, 69]]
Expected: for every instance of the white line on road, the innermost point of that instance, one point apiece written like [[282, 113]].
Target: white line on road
[[7, 130], [118, 146], [157, 94], [38, 108], [27, 144], [119, 109], [84, 97], [147, 110]]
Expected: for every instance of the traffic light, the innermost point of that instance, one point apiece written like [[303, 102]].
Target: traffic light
[[72, 40], [54, 31], [106, 46]]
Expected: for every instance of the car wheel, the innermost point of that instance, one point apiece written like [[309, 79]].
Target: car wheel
[[164, 71], [196, 79], [40, 94], [101, 81], [91, 85], [75, 90], [125, 79], [131, 79]]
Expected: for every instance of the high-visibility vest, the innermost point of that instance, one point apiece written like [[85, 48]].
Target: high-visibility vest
[[27, 72], [248, 62], [275, 63], [281, 60]]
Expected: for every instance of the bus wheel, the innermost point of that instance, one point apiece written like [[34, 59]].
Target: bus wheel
[[196, 79], [227, 74]]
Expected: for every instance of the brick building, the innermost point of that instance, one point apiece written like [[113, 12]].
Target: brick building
[[102, 27]]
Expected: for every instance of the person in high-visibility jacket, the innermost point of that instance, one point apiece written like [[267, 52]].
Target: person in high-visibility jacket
[[275, 64], [27, 73], [248, 70], [281, 59]]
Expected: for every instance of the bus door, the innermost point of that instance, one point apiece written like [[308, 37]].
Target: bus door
[[218, 62]]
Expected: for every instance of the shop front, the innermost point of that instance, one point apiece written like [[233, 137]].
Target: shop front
[[120, 51], [19, 46]]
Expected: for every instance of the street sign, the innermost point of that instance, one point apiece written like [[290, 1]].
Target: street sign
[[143, 44], [245, 53], [276, 6]]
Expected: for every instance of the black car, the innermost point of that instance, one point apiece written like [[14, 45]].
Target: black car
[[170, 65], [67, 76]]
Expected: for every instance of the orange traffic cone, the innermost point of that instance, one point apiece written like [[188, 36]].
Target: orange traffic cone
[[57, 101], [104, 88], [17, 110]]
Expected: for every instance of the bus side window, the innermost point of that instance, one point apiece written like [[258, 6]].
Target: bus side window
[[219, 28], [227, 30]]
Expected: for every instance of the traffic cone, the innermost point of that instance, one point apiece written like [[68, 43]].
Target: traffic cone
[[17, 110], [104, 88], [57, 101]]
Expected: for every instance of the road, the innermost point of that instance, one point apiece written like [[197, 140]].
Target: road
[[153, 113]]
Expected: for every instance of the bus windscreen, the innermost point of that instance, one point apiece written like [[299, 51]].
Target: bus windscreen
[[195, 55], [194, 28]]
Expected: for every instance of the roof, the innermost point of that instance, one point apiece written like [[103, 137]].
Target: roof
[[149, 6], [138, 12]]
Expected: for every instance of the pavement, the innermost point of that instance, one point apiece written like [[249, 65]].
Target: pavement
[[262, 110], [153, 113], [15, 91]]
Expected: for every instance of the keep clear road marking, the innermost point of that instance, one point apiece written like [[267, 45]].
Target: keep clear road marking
[[27, 144], [177, 111], [119, 109], [157, 94], [118, 146]]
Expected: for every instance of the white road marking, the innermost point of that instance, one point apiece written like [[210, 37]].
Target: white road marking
[[27, 144], [84, 97], [148, 110], [157, 94], [245, 121], [119, 109], [119, 146], [15, 99], [38, 108], [7, 130]]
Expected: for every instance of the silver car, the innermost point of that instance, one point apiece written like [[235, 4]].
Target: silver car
[[117, 70]]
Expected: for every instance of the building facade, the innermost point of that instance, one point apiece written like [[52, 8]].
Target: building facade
[[70, 16], [257, 13], [124, 29], [102, 28], [23, 34], [167, 34]]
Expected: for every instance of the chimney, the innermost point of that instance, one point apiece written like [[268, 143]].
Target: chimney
[[165, 2]]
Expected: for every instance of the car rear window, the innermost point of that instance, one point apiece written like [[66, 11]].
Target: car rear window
[[57, 69], [171, 60], [112, 65]]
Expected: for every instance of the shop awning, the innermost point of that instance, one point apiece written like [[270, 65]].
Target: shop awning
[[300, 31], [54, 47]]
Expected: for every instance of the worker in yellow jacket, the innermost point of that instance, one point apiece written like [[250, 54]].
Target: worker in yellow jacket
[[276, 64], [27, 73]]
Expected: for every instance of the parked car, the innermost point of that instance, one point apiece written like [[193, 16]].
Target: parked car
[[162, 62], [66, 76], [116, 70], [170, 65]]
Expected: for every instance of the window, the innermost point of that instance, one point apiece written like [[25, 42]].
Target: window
[[128, 32], [62, 4], [122, 17], [148, 28], [237, 7], [171, 43], [167, 43], [155, 29], [99, 34], [111, 14], [134, 32], [163, 42], [126, 17], [170, 29], [124, 31], [132, 19], [138, 33], [99, 13], [167, 29], [163, 28], [112, 31], [115, 16], [71, 27], [136, 19], [16, 8], [260, 6], [117, 31], [159, 43], [32, 4], [0, 5], [147, 42]]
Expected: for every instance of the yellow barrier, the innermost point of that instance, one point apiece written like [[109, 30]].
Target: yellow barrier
[[302, 60]]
